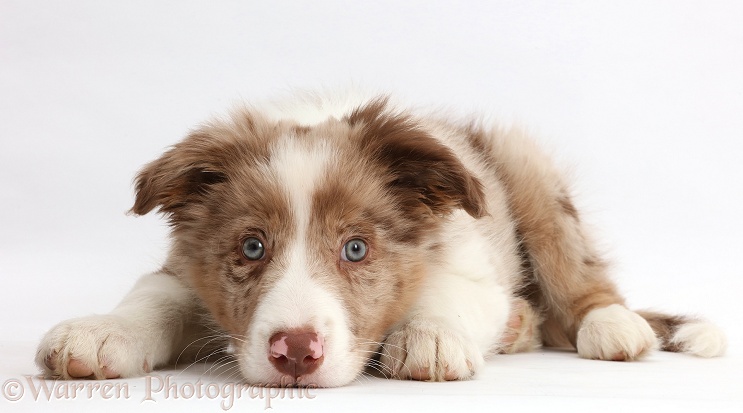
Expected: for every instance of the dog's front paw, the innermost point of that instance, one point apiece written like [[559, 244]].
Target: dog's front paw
[[425, 350], [96, 347], [615, 333]]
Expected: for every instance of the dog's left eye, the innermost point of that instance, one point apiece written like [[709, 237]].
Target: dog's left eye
[[253, 249], [354, 250]]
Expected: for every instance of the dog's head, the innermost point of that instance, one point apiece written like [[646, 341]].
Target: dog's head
[[307, 243]]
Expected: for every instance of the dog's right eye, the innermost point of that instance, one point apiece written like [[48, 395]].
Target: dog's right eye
[[253, 249], [354, 250]]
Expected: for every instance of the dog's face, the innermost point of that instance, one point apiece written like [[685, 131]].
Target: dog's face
[[307, 244]]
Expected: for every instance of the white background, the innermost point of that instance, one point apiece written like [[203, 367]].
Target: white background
[[641, 100]]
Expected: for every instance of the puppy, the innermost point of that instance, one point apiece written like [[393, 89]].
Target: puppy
[[325, 235]]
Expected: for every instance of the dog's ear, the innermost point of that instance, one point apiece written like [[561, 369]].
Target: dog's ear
[[181, 176], [423, 174]]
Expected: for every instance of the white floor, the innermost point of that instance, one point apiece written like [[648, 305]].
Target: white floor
[[540, 381]]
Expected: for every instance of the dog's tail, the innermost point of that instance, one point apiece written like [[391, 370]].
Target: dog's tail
[[686, 334]]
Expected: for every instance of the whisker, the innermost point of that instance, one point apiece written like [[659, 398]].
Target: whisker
[[221, 363], [383, 350], [381, 368], [209, 338]]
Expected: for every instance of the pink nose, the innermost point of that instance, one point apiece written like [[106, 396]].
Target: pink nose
[[296, 352]]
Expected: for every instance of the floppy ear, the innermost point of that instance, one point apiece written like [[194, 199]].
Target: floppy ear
[[181, 176], [424, 174]]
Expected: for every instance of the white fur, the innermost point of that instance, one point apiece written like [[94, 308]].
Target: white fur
[[700, 338], [300, 168], [615, 332], [310, 108]]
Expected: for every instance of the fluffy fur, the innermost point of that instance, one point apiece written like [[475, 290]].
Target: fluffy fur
[[473, 246]]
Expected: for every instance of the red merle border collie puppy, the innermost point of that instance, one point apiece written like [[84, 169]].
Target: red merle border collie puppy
[[325, 235]]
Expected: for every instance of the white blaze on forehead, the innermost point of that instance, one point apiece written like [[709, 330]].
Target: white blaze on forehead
[[300, 167]]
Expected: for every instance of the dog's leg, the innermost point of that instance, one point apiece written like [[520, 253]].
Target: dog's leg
[[445, 347], [141, 333], [569, 279], [463, 309], [444, 336]]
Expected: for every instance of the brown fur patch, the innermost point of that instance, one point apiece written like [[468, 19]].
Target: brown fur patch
[[567, 206], [665, 326], [478, 140], [425, 175], [554, 240], [184, 174]]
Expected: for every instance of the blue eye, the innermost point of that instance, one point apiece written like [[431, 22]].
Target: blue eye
[[253, 249], [354, 250]]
